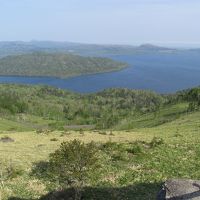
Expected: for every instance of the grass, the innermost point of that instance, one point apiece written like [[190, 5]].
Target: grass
[[23, 122], [136, 169], [166, 114], [9, 125], [31, 147]]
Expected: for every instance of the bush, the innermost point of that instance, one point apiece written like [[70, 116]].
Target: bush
[[156, 141], [137, 148], [109, 146], [40, 170], [115, 150], [72, 164]]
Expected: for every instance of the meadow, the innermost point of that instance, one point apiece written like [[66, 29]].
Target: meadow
[[140, 139], [136, 162]]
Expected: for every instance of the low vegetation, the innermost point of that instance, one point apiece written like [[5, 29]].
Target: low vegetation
[[133, 164], [155, 137], [43, 107]]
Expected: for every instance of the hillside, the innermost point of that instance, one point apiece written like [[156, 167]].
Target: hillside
[[58, 108], [138, 151], [35, 107], [150, 47], [56, 64]]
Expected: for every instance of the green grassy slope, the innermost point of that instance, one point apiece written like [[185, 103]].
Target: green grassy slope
[[56, 64], [151, 141], [166, 114], [61, 108], [136, 170], [35, 107]]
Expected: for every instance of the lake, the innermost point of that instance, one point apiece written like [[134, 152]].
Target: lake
[[160, 72]]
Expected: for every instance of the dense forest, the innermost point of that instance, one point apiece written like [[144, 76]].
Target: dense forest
[[56, 64]]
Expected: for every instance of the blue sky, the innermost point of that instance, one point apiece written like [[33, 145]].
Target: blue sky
[[174, 22]]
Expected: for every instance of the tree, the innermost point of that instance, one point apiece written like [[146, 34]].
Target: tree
[[72, 164], [194, 99]]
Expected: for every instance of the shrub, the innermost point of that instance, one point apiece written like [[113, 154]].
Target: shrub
[[108, 146], [156, 141], [137, 148], [115, 150], [72, 164], [40, 170]]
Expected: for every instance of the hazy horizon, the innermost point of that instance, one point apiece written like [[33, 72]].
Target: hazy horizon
[[172, 45], [123, 22]]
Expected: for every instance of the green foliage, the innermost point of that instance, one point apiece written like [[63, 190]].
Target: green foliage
[[156, 141], [56, 64], [136, 148], [12, 102], [194, 99], [73, 163], [115, 151], [132, 168], [62, 108], [40, 170], [43, 107]]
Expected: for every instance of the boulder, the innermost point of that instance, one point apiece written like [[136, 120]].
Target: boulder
[[182, 189]]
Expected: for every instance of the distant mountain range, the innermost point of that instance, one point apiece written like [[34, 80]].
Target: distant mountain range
[[18, 47], [67, 59]]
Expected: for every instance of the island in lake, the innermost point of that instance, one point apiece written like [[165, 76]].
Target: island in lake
[[56, 65]]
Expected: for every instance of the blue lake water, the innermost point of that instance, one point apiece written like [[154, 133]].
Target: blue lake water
[[159, 72]]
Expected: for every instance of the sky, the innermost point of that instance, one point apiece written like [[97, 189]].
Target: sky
[[170, 22]]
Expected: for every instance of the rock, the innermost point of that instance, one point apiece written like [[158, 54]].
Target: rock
[[176, 189]]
